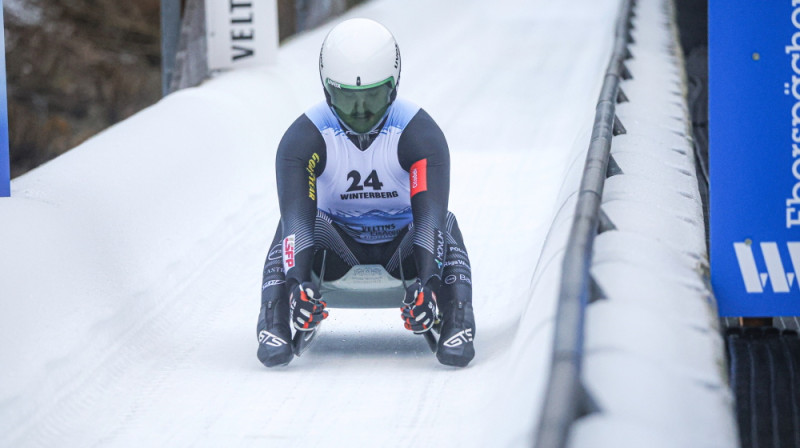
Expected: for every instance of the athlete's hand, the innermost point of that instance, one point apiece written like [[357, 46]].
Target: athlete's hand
[[307, 308], [419, 308]]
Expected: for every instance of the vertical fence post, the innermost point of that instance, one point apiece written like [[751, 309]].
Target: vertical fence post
[[301, 15], [170, 31], [5, 166]]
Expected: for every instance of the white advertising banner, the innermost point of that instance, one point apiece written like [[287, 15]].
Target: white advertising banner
[[241, 33]]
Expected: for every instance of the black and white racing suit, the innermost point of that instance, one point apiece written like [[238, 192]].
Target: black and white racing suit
[[384, 203]]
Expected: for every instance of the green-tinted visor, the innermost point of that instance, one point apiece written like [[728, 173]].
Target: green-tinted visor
[[361, 108]]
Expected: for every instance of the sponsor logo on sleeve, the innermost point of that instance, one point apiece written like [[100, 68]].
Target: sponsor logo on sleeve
[[312, 176], [288, 253], [418, 177], [439, 248], [456, 249], [269, 283], [276, 253]]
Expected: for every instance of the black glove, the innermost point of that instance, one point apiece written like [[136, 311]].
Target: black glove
[[419, 308], [307, 308]]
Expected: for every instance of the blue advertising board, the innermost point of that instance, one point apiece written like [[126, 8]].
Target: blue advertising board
[[5, 173], [754, 156]]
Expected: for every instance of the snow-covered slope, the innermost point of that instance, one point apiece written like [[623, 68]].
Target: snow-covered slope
[[130, 267]]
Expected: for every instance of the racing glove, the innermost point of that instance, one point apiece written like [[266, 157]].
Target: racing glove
[[419, 308], [308, 310]]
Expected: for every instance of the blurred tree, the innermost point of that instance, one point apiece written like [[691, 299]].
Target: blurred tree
[[75, 67], [81, 66]]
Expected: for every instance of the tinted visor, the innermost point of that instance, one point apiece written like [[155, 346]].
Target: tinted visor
[[361, 108]]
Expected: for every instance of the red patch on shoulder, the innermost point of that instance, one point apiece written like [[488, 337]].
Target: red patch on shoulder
[[418, 176]]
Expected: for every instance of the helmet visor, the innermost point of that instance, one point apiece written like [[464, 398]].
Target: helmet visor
[[361, 108]]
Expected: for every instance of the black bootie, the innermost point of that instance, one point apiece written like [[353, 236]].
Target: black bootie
[[455, 347], [274, 334]]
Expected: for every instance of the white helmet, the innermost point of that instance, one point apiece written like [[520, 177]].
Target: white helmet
[[359, 65]]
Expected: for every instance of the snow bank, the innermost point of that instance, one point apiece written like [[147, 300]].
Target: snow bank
[[654, 357]]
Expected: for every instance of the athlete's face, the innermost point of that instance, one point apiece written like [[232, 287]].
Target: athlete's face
[[360, 107]]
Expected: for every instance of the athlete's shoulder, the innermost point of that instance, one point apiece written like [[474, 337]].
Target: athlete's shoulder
[[422, 139], [401, 113], [422, 127], [300, 138], [424, 123], [323, 118]]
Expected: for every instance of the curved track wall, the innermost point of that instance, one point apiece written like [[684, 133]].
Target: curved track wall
[[636, 296]]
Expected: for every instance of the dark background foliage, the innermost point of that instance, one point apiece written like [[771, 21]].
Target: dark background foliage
[[84, 65]]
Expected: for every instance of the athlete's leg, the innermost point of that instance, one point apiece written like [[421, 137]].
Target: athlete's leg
[[273, 329], [454, 298], [455, 302]]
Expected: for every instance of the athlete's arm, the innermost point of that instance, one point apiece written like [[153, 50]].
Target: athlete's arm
[[423, 151], [300, 160]]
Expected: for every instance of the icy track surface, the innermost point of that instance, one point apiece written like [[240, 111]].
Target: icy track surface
[[130, 267]]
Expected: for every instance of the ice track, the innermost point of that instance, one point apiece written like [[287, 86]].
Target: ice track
[[130, 271]]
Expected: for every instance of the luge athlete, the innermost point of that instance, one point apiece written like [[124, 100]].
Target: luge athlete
[[365, 177]]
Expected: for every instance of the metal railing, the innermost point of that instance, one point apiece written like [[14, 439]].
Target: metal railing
[[566, 399]]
